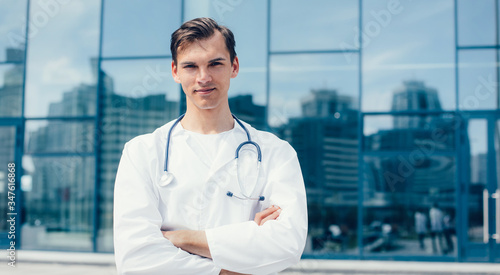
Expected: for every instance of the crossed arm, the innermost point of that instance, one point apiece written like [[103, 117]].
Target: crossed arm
[[195, 241]]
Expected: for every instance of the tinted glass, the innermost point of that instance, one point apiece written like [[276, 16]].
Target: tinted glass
[[247, 95], [324, 25], [138, 97], [138, 27], [13, 30], [313, 105], [425, 135], [477, 141], [51, 136], [409, 205], [408, 44], [478, 80], [298, 81], [476, 21], [61, 72], [11, 90], [58, 195]]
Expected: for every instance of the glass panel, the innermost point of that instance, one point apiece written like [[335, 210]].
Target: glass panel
[[425, 134], [139, 96], [410, 48], [61, 74], [409, 208], [247, 95], [476, 22], [328, 25], [44, 136], [477, 75], [478, 178], [7, 149], [58, 195], [314, 107], [148, 26], [13, 30], [11, 90]]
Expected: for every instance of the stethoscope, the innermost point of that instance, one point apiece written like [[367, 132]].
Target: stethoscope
[[168, 177]]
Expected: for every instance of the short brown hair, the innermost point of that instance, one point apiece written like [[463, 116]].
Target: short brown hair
[[199, 29]]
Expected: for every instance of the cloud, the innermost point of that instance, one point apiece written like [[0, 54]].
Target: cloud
[[60, 71]]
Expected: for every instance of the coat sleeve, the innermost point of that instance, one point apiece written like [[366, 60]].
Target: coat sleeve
[[277, 244], [140, 247]]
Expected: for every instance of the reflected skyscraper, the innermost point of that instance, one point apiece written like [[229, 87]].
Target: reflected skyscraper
[[414, 95], [422, 173], [11, 91], [243, 107], [66, 179], [325, 138]]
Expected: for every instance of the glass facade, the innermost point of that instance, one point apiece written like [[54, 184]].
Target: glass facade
[[392, 107]]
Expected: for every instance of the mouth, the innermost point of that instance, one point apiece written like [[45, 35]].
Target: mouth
[[204, 91]]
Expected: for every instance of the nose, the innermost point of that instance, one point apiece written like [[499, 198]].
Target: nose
[[204, 76]]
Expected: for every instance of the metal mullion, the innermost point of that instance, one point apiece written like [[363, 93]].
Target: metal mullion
[[360, 136], [314, 52], [459, 208], [405, 113], [478, 47], [406, 152], [11, 122], [12, 62], [268, 66], [62, 118], [114, 58], [60, 154], [97, 137], [21, 127]]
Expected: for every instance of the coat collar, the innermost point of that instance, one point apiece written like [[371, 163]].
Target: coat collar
[[227, 148]]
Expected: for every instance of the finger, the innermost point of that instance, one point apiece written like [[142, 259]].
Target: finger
[[263, 214], [169, 234], [273, 216]]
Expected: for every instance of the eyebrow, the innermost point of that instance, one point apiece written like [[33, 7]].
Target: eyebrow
[[217, 59], [210, 61]]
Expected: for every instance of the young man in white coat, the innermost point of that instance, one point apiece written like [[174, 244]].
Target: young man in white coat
[[203, 211]]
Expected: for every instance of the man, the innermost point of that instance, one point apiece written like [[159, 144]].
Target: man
[[436, 217], [202, 211]]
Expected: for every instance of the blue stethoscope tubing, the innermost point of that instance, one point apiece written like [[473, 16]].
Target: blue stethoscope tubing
[[169, 176]]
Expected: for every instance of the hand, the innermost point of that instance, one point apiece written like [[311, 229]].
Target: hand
[[270, 213], [227, 272], [192, 241]]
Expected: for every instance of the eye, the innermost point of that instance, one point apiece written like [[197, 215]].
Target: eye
[[189, 66], [216, 64]]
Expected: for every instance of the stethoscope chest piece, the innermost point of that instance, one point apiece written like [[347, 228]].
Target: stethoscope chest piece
[[166, 179]]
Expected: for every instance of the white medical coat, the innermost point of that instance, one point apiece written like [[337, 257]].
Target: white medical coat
[[142, 208]]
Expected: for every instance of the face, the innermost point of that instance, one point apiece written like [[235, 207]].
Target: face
[[204, 70]]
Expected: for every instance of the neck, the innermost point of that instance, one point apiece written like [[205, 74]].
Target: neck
[[212, 121]]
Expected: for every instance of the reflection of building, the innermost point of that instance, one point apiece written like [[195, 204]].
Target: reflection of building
[[418, 173], [325, 139], [11, 91], [243, 107], [414, 96], [61, 184]]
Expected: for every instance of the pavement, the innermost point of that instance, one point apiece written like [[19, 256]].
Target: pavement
[[73, 263]]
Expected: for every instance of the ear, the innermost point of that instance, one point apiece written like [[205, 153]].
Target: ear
[[236, 67], [174, 73]]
